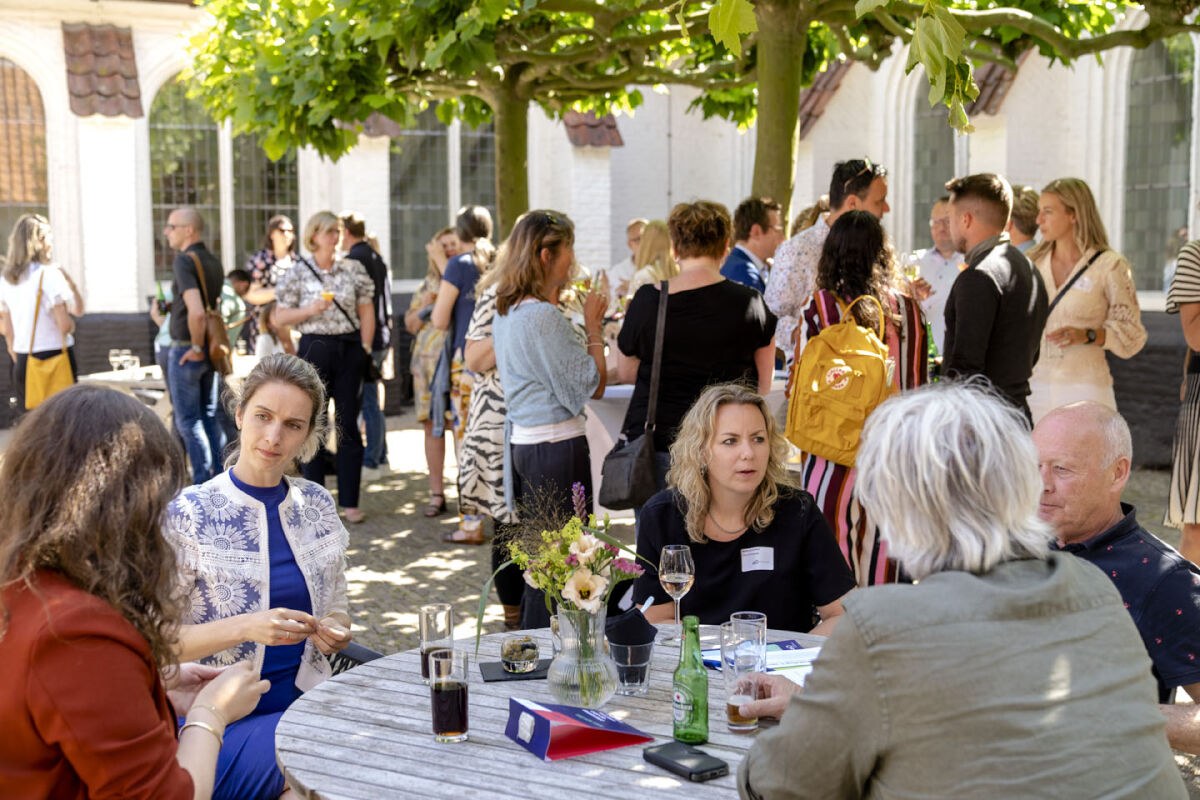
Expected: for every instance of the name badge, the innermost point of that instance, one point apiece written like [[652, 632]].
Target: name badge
[[758, 558]]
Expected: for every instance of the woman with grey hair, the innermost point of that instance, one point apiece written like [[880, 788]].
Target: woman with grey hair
[[1007, 670]]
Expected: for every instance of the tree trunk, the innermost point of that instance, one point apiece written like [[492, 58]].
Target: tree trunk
[[511, 117], [781, 46]]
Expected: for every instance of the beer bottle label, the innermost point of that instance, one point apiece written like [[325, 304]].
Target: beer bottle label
[[681, 703]]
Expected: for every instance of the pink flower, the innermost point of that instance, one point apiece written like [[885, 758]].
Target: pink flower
[[572, 560], [628, 566]]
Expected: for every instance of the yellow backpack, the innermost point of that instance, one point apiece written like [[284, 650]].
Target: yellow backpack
[[839, 378]]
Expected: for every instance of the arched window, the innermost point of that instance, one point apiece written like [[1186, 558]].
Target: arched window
[[22, 148], [430, 173], [262, 188], [933, 162], [184, 170], [1158, 143]]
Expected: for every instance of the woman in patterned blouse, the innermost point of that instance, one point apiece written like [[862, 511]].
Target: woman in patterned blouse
[[276, 257], [1098, 312], [331, 301], [262, 561]]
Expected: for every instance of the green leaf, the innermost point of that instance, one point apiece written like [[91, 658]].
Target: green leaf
[[864, 7], [728, 20]]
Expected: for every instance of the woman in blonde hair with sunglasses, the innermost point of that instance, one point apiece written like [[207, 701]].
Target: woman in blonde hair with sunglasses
[[759, 543], [1093, 302], [547, 371]]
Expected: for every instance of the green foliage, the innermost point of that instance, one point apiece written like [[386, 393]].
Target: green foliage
[[729, 20]]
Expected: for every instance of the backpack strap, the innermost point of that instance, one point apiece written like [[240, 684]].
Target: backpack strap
[[871, 298]]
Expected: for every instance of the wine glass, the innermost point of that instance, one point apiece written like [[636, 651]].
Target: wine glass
[[676, 573], [912, 267], [114, 359]]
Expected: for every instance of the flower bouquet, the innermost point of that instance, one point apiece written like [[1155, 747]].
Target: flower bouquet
[[576, 566]]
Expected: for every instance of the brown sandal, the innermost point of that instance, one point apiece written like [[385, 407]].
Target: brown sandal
[[436, 505], [460, 536]]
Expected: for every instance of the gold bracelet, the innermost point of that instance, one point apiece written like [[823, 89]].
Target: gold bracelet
[[220, 717], [195, 723]]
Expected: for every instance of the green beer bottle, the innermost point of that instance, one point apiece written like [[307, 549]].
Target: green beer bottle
[[689, 697]]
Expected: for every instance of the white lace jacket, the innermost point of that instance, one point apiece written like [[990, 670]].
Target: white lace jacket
[[220, 533]]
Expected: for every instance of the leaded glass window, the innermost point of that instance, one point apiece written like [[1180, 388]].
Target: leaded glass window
[[184, 170], [933, 163], [262, 188], [420, 192], [479, 166], [22, 148], [1158, 141]]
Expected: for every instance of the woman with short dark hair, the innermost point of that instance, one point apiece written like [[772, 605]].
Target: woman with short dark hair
[[716, 330]]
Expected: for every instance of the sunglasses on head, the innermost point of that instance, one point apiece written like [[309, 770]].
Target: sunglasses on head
[[867, 167]]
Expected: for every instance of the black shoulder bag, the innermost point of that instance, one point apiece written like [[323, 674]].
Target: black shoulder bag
[[371, 373], [627, 478]]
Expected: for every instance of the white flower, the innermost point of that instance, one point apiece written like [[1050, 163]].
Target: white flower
[[585, 590], [585, 548], [529, 578]]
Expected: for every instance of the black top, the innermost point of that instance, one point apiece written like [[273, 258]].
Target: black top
[[376, 267], [185, 278], [784, 571], [710, 337], [1160, 589], [994, 319]]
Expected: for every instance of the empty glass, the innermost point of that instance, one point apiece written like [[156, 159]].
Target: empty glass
[[633, 667], [435, 624]]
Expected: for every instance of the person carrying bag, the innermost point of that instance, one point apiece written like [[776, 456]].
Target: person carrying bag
[[45, 377], [627, 477], [220, 353]]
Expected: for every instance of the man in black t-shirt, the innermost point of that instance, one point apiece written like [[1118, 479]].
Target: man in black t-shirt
[[193, 382]]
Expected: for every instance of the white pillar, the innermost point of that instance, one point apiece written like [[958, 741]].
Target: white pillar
[[590, 205], [364, 186], [108, 216]]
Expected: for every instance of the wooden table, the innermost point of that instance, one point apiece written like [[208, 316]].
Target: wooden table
[[366, 734]]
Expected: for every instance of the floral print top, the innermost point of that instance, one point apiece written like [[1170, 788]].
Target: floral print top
[[792, 281], [303, 284], [219, 534]]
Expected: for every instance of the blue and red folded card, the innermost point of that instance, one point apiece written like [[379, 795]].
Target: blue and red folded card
[[552, 732]]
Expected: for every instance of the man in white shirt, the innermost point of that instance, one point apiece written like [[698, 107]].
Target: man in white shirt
[[621, 273], [857, 183], [939, 267]]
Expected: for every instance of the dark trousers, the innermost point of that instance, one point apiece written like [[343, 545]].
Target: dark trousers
[[510, 583], [542, 479], [19, 371], [340, 361]]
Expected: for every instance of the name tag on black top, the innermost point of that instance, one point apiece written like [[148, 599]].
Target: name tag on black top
[[758, 558]]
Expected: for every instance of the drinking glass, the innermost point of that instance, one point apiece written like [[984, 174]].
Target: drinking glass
[[676, 573], [741, 658], [435, 623], [911, 267], [126, 359], [114, 359], [633, 667], [752, 627], [448, 694]]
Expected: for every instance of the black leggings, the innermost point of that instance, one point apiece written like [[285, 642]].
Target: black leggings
[[340, 361]]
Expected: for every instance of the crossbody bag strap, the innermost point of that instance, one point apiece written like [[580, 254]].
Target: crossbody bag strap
[[660, 328], [37, 310], [1067, 286], [200, 277], [317, 275]]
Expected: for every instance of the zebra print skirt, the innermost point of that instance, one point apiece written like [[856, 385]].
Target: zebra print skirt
[[1183, 501]]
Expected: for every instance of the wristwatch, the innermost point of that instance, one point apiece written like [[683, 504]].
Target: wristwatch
[[198, 349], [1091, 335]]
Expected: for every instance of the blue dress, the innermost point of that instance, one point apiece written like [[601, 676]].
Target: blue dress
[[246, 768]]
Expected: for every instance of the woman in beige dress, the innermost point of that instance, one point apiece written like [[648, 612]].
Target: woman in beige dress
[[1098, 312]]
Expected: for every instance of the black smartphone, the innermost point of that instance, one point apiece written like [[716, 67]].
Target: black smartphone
[[683, 759]]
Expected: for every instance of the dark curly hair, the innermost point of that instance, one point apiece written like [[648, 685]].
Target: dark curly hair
[[857, 260], [87, 478]]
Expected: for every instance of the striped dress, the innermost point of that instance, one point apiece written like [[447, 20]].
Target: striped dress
[[1183, 501], [481, 456], [833, 484]]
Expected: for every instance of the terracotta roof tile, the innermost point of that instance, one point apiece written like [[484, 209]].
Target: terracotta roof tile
[[814, 99], [102, 75], [994, 81], [23, 145], [589, 130]]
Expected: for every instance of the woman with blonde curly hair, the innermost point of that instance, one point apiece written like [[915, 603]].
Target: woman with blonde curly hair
[[653, 261], [759, 543]]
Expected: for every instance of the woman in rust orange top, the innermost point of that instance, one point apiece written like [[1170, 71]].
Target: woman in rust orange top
[[89, 613]]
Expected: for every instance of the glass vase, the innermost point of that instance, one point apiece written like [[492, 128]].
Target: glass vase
[[582, 672]]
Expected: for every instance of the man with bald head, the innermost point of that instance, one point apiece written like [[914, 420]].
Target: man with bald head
[[1084, 452], [997, 306], [193, 382]]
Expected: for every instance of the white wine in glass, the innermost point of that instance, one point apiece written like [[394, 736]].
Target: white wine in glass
[[676, 573]]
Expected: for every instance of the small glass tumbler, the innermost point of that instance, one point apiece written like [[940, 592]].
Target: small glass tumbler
[[519, 654], [752, 626], [448, 694], [740, 661], [633, 667], [435, 623]]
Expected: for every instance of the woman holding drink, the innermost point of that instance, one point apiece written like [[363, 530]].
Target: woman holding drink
[[758, 543], [262, 561]]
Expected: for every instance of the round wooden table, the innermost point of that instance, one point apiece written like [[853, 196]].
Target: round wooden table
[[366, 734]]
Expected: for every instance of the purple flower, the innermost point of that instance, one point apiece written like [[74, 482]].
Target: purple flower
[[572, 560], [612, 548], [579, 498], [628, 566]]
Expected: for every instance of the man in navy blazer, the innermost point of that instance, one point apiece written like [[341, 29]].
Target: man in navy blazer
[[757, 230]]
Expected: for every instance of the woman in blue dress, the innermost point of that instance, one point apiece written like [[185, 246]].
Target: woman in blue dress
[[262, 559]]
